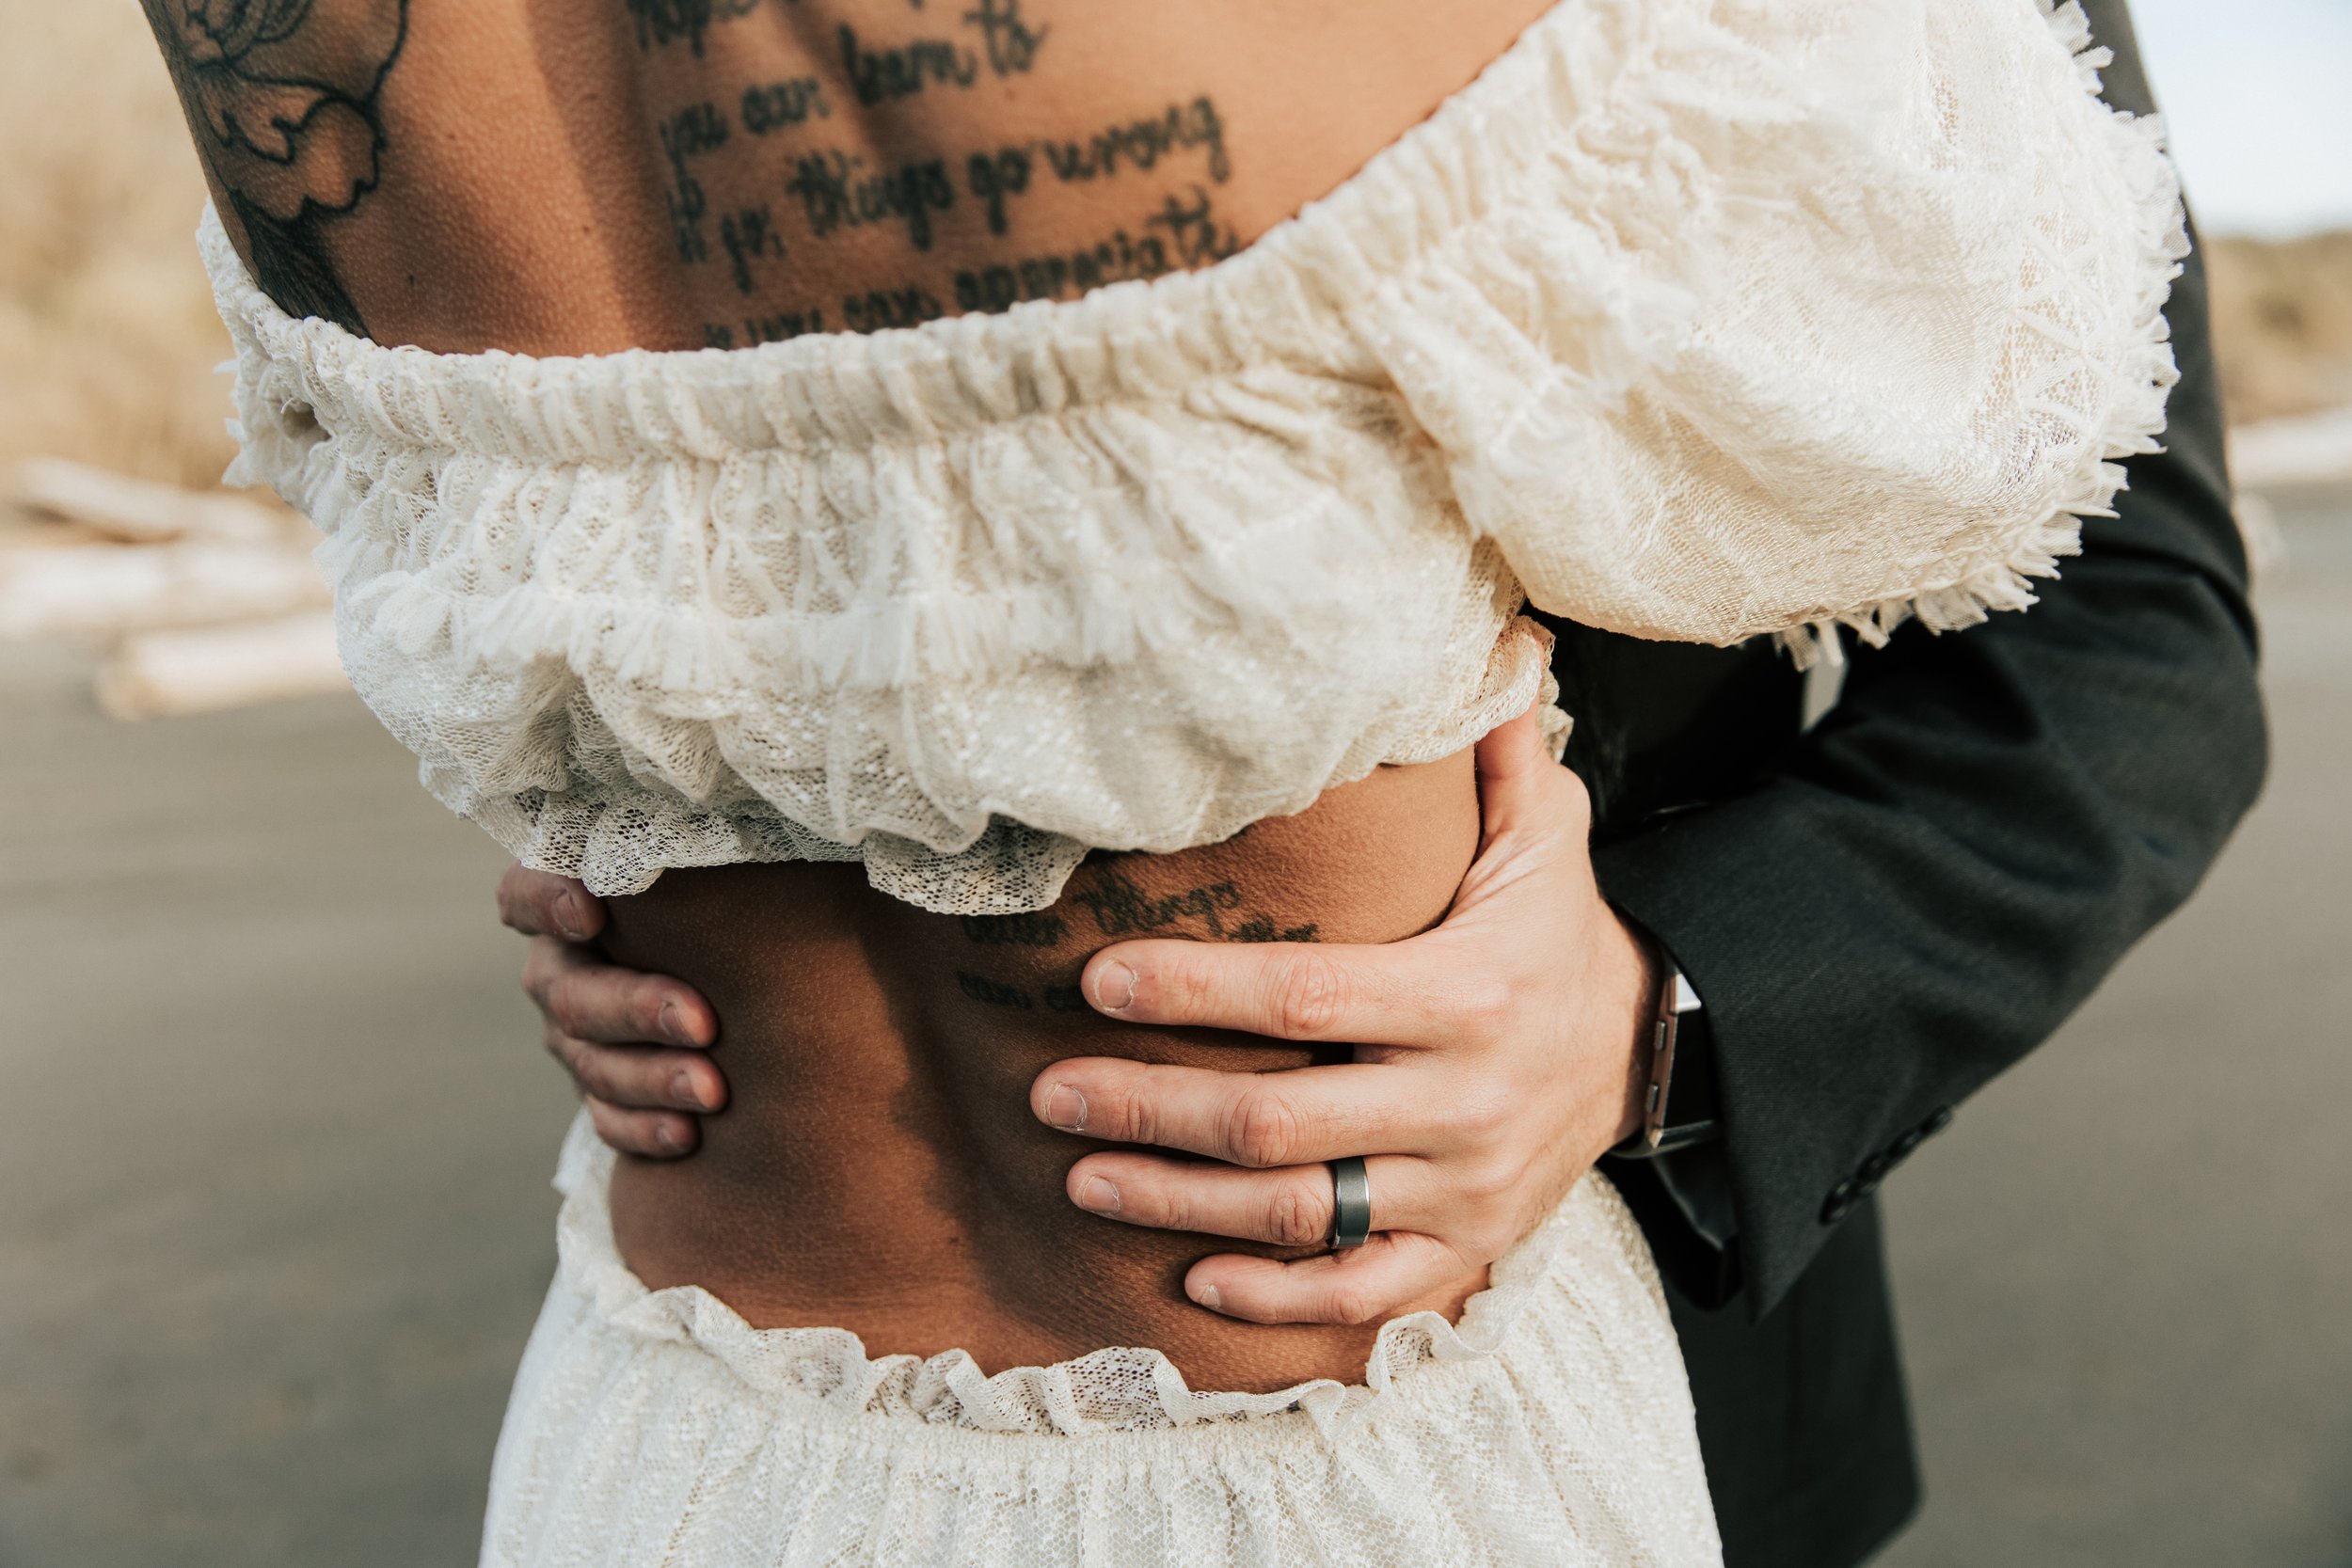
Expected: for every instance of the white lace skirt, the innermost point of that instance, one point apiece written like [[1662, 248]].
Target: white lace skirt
[[657, 1429]]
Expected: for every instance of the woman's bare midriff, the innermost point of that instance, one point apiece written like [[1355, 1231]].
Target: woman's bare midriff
[[878, 1167]]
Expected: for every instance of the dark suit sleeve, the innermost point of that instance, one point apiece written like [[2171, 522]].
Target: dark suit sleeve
[[1925, 887]]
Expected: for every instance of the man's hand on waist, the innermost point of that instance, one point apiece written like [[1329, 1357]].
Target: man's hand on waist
[[632, 1041], [1496, 1057]]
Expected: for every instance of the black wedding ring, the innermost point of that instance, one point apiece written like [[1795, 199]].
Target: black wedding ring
[[1351, 1203]]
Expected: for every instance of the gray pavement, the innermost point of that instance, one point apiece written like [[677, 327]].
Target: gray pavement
[[275, 1144], [2126, 1273]]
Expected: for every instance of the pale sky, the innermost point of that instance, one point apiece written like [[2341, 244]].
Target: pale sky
[[2257, 97]]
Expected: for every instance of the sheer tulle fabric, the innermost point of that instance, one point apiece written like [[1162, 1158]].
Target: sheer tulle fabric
[[1686, 320], [1552, 1425]]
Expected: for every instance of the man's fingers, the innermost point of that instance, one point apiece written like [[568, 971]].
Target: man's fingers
[[612, 1005], [651, 1134], [1395, 1270], [540, 904], [629, 1040], [640, 1078], [1259, 1119], [1518, 778], [1291, 991], [1292, 1207]]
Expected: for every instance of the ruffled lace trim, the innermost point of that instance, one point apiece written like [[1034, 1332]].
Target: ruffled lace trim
[[1684, 321], [1123, 1389]]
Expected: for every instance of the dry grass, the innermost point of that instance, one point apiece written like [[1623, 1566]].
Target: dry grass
[[2283, 323], [107, 339]]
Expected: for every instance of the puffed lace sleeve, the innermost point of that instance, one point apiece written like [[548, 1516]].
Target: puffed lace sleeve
[[1794, 314]]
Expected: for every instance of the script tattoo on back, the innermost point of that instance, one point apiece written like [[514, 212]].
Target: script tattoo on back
[[661, 23], [761, 174], [759, 179], [282, 97]]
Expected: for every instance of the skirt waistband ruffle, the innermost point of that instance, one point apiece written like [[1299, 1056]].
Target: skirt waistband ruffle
[[1121, 1389]]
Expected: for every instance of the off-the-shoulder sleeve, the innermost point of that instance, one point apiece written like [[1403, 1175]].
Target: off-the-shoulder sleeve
[[1800, 313]]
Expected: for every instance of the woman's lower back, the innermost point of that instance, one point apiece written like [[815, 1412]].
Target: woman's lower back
[[878, 1167]]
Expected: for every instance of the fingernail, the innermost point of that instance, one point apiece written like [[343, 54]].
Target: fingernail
[[1207, 1297], [1066, 1108], [1097, 1196], [674, 1024], [1114, 988], [685, 1092], [567, 915], [666, 1135]]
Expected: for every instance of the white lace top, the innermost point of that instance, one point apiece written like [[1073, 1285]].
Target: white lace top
[[1686, 320]]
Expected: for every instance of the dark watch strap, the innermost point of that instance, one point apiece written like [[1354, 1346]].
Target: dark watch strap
[[1676, 1012]]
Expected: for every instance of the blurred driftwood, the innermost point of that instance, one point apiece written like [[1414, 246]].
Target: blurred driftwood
[[161, 674], [102, 590], [209, 600], [141, 512], [2309, 449]]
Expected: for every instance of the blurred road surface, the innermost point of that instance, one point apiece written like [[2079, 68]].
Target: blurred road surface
[[276, 1135], [2126, 1273]]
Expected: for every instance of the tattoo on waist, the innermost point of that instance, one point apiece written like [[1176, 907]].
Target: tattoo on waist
[[1013, 930], [1212, 912]]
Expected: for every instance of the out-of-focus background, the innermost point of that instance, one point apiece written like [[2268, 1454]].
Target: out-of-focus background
[[276, 1136]]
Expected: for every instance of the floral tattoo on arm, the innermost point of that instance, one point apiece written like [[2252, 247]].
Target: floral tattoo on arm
[[282, 98]]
